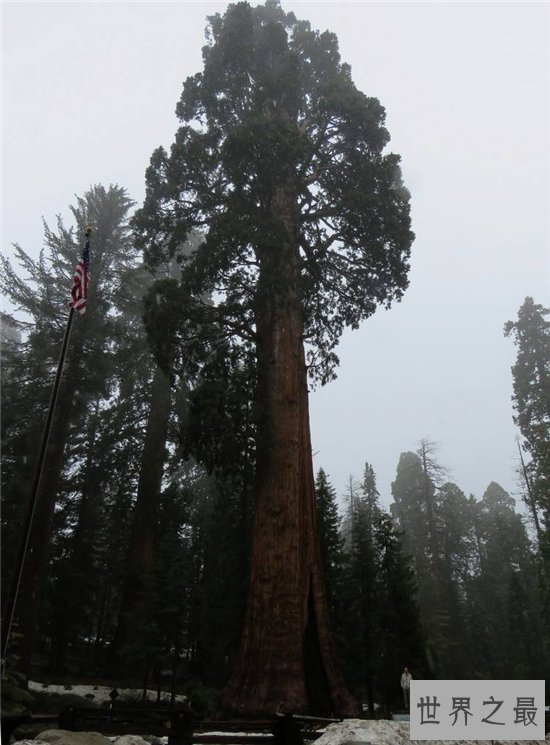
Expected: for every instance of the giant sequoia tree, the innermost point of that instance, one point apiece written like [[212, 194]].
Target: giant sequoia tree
[[279, 161]]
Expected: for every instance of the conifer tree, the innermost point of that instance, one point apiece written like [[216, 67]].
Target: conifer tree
[[531, 378], [409, 511], [217, 430], [43, 294], [330, 540], [531, 381], [505, 577], [418, 515], [457, 550], [363, 520], [380, 626], [140, 561], [20, 389], [402, 641], [279, 160], [74, 563]]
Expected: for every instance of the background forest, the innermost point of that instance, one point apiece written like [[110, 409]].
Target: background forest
[[140, 553]]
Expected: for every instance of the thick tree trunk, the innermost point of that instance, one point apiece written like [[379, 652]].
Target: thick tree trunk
[[287, 659], [140, 561]]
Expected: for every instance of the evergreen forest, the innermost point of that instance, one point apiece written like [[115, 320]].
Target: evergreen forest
[[147, 540]]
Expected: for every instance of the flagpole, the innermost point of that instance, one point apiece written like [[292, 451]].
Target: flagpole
[[18, 573]]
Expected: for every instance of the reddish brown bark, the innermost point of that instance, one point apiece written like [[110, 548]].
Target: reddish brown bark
[[287, 659]]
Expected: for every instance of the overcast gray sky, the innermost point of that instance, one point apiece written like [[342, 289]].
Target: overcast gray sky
[[89, 91]]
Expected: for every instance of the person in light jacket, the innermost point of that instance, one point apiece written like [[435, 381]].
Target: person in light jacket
[[406, 678]]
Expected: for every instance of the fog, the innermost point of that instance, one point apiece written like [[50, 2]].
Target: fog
[[89, 91]]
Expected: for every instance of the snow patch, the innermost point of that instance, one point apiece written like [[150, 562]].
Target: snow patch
[[386, 732], [100, 694]]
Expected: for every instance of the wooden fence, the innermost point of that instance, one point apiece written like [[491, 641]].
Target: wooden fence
[[178, 725]]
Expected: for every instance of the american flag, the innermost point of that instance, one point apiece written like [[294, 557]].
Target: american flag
[[79, 290]]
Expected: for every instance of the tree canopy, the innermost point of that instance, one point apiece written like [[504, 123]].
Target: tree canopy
[[275, 112]]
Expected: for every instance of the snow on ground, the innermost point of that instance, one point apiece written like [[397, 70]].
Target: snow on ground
[[120, 740], [100, 693], [359, 731], [377, 732], [386, 732], [136, 739], [374, 732]]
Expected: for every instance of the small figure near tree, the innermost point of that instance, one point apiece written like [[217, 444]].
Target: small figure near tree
[[406, 678]]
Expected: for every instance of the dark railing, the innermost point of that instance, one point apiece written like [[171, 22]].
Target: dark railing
[[179, 725]]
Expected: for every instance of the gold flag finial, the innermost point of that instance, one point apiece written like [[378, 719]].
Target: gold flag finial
[[88, 231]]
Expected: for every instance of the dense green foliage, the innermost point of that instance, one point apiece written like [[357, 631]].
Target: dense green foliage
[[108, 401], [379, 625], [475, 566], [275, 110], [330, 540], [147, 544], [428, 587], [531, 380], [71, 474]]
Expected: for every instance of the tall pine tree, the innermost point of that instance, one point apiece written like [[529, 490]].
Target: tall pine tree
[[330, 540], [380, 627], [43, 294], [531, 379]]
